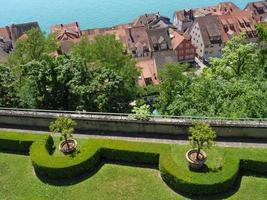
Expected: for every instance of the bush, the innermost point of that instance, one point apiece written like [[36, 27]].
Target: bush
[[19, 142], [141, 113]]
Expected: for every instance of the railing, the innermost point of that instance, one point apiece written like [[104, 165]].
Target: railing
[[126, 115]]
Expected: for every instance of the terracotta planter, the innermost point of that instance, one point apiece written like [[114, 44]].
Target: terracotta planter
[[193, 162], [63, 146]]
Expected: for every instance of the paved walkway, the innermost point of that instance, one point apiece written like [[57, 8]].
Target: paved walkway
[[247, 144]]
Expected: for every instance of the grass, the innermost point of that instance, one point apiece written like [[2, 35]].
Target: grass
[[116, 181], [112, 181]]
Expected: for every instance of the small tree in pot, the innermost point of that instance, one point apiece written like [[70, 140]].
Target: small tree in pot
[[201, 136], [65, 126]]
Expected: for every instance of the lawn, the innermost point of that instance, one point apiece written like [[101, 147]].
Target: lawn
[[135, 172], [111, 182]]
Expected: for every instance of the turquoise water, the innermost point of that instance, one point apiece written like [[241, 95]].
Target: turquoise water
[[91, 13]]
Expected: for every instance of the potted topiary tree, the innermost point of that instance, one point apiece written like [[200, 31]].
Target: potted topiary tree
[[201, 135], [65, 126]]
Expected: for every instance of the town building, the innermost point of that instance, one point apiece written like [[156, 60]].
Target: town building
[[259, 10], [206, 37], [149, 73], [183, 47], [236, 23], [137, 42], [148, 40], [10, 34], [118, 31], [184, 19], [69, 31]]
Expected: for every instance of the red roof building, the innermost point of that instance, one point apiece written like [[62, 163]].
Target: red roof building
[[148, 72], [67, 31], [236, 23], [184, 49]]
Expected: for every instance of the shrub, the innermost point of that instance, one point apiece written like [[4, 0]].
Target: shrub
[[141, 113], [19, 142]]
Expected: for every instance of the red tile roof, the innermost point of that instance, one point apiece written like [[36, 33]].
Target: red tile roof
[[67, 31], [148, 70], [236, 23], [5, 33]]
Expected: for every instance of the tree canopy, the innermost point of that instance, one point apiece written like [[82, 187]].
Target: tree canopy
[[32, 46], [234, 86]]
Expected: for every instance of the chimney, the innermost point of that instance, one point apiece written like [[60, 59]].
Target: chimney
[[9, 33], [130, 34]]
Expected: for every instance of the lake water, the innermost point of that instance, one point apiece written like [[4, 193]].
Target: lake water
[[91, 13]]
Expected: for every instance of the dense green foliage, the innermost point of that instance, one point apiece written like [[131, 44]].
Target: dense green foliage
[[233, 86], [141, 112], [7, 87], [32, 46], [100, 76], [223, 167], [37, 79], [110, 53]]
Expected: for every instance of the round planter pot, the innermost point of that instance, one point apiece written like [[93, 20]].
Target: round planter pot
[[195, 163], [63, 146]]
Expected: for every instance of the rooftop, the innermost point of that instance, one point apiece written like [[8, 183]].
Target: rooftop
[[67, 31]]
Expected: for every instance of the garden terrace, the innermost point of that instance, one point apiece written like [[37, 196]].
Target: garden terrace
[[222, 174]]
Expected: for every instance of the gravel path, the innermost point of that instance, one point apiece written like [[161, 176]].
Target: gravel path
[[234, 143]]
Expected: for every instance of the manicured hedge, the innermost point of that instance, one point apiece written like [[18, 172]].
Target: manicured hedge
[[19, 142], [172, 164], [90, 156], [176, 177]]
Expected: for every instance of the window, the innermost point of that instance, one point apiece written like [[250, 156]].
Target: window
[[148, 81]]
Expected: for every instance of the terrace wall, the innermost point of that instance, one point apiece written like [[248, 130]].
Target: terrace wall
[[121, 123]]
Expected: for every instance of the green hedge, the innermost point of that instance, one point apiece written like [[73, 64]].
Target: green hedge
[[170, 158], [176, 177], [20, 142], [90, 156]]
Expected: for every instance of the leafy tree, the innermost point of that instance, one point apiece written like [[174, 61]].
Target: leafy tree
[[262, 43], [110, 53], [233, 87], [239, 57], [64, 126], [201, 136], [173, 82], [71, 84], [7, 89], [32, 46]]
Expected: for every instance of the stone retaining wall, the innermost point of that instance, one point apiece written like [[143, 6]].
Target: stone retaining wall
[[107, 123]]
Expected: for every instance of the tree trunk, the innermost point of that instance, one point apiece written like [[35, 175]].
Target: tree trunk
[[198, 153], [66, 140]]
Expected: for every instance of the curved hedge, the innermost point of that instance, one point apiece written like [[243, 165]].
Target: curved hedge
[[172, 165]]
